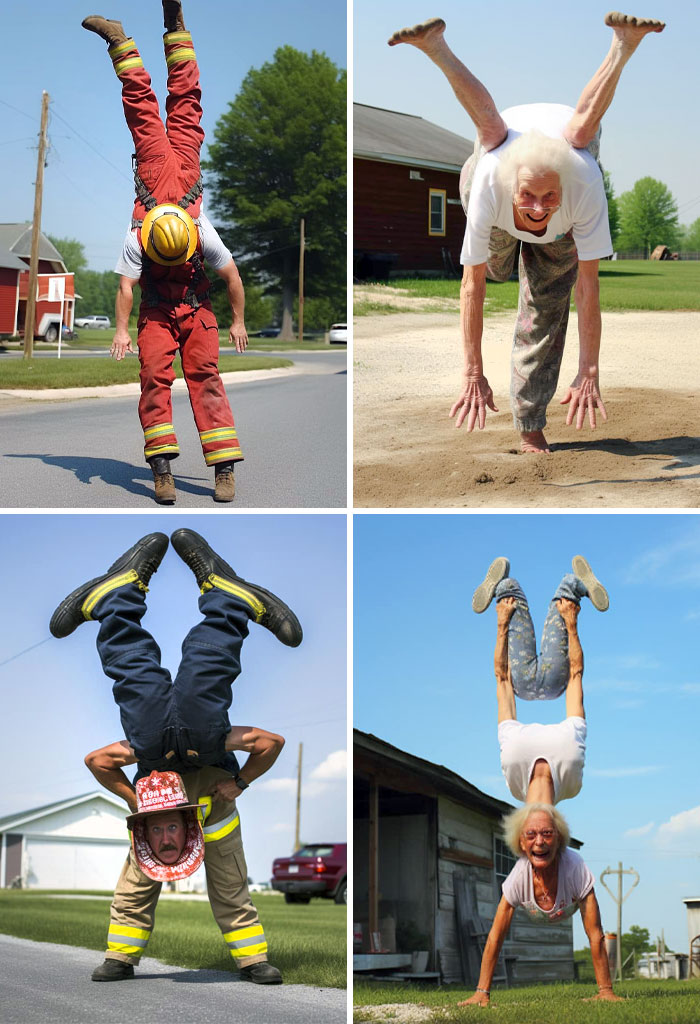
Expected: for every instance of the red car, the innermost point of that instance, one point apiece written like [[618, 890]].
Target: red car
[[319, 869]]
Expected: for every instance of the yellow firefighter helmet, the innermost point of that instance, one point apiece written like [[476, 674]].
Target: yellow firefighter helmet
[[168, 235]]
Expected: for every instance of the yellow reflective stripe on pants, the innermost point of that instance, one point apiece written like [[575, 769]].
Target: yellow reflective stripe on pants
[[130, 941], [219, 829], [246, 942], [105, 588]]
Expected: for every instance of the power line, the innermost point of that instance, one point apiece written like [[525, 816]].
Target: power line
[[26, 649], [18, 111], [90, 146]]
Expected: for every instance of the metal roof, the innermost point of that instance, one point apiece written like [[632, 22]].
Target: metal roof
[[17, 238], [406, 139], [21, 817]]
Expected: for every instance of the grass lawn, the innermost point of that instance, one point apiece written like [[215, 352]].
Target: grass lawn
[[646, 1002], [307, 943], [624, 284], [98, 371], [95, 338]]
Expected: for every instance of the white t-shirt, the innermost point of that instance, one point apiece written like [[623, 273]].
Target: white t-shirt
[[130, 263], [584, 208], [562, 746], [574, 882]]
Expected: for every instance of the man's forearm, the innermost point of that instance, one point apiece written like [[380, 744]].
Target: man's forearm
[[115, 780], [258, 764], [601, 964], [500, 654], [123, 305], [472, 294], [575, 650], [236, 298]]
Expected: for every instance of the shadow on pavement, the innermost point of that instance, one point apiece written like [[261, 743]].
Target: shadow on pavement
[[135, 479]]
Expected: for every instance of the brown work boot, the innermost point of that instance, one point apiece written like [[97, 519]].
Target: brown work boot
[[172, 16], [224, 484], [163, 480], [111, 31]]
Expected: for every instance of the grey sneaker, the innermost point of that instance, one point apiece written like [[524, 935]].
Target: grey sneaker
[[483, 595], [596, 591]]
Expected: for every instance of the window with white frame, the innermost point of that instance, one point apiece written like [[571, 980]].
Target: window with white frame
[[503, 861], [436, 217]]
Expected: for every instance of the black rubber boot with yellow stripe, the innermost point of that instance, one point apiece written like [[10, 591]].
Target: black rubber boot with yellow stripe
[[211, 570], [136, 565]]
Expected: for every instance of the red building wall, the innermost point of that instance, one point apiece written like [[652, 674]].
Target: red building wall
[[8, 299], [391, 215]]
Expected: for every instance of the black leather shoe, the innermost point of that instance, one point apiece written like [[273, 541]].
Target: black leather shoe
[[262, 974], [208, 567], [113, 970], [141, 561]]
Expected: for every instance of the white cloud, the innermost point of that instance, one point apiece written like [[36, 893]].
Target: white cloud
[[671, 564], [692, 615], [280, 826], [334, 767], [691, 688], [278, 785], [641, 831], [623, 773], [680, 826]]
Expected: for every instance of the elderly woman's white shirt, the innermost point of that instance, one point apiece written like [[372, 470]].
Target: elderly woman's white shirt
[[574, 883], [584, 207]]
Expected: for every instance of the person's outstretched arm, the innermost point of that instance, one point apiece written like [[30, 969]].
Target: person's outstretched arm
[[504, 686], [237, 334], [106, 765], [499, 930], [476, 395], [569, 612], [263, 750], [590, 915], [583, 395]]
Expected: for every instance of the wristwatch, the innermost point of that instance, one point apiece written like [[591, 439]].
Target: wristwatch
[[241, 783]]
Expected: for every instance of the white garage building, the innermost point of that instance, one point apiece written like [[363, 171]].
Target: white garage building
[[79, 843]]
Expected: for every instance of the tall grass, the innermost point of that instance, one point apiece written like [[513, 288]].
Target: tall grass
[[307, 943], [645, 1002]]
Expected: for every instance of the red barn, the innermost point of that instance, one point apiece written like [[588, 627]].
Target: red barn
[[407, 213], [55, 286]]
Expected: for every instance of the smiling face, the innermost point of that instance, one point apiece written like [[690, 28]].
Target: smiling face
[[537, 197], [539, 840], [166, 834]]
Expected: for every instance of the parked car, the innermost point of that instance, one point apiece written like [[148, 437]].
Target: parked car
[[338, 334], [266, 332], [102, 322], [318, 869]]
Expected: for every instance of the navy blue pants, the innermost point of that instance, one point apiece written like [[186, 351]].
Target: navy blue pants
[[160, 714]]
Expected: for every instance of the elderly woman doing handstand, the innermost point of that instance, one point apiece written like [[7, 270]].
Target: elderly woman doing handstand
[[543, 764], [533, 182]]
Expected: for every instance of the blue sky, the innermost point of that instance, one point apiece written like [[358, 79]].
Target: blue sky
[[88, 188], [647, 130], [56, 705], [423, 664]]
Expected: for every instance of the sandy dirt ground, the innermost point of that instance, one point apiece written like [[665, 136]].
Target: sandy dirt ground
[[408, 453]]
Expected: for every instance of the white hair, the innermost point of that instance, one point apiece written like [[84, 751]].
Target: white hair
[[514, 823], [539, 153]]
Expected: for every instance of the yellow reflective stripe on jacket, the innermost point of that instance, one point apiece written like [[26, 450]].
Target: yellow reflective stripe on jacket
[[105, 588], [229, 587], [219, 829], [244, 942], [130, 941]]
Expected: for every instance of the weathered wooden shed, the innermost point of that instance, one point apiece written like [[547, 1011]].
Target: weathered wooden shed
[[407, 214], [423, 837]]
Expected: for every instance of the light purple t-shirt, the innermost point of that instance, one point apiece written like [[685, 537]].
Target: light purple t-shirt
[[574, 882], [584, 207]]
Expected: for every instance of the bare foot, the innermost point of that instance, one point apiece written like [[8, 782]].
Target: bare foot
[[630, 30], [423, 36], [533, 442]]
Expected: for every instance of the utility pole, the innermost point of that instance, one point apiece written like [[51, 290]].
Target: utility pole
[[297, 843], [301, 282], [619, 899], [30, 315]]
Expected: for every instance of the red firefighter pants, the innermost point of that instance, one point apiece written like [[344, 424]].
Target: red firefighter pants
[[167, 154], [194, 333]]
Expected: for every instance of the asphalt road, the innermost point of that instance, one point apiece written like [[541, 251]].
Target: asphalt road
[[44, 982], [87, 453]]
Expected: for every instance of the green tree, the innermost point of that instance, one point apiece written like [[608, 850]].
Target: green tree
[[613, 212], [648, 217], [691, 237], [72, 252], [279, 155]]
